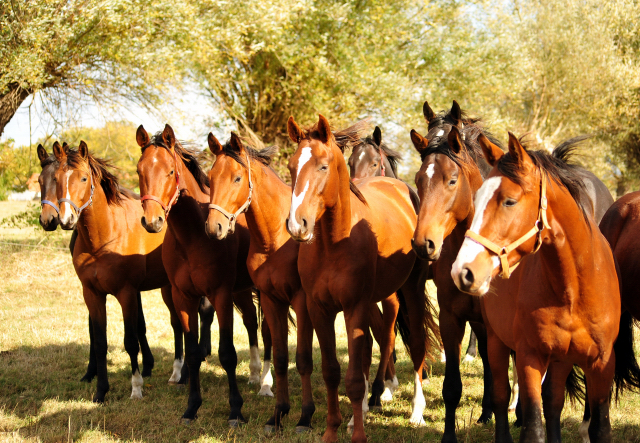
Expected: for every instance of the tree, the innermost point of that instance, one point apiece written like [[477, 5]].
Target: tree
[[122, 50]]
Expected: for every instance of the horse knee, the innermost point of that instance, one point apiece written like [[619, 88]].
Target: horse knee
[[304, 363], [280, 363], [227, 355]]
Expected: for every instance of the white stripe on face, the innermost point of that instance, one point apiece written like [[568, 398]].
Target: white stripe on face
[[361, 155], [470, 248], [67, 206], [296, 200], [430, 170]]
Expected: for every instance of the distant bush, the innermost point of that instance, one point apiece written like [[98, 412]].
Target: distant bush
[[28, 218], [16, 166]]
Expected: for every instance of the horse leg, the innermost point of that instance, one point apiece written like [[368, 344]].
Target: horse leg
[[147, 356], [599, 382], [515, 397], [553, 398], [276, 314], [187, 309], [244, 301], [530, 372], [207, 313], [377, 327], [367, 356], [472, 349], [304, 359], [227, 354], [98, 313], [177, 335], [583, 430], [324, 325], [498, 356], [128, 299], [481, 338], [266, 380], [357, 323], [452, 332], [390, 311], [92, 367]]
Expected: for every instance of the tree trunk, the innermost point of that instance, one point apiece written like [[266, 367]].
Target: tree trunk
[[622, 187], [10, 101]]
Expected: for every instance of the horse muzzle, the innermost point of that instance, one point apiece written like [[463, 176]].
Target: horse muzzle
[[217, 228], [301, 232], [153, 225], [49, 222], [427, 249]]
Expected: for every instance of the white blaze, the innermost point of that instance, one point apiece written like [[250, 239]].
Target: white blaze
[[430, 170], [296, 200], [440, 133], [360, 156], [67, 206], [470, 248]]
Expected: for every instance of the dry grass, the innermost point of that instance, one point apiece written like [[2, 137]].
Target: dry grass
[[44, 350]]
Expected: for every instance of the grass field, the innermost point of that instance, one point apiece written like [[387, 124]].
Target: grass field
[[44, 349]]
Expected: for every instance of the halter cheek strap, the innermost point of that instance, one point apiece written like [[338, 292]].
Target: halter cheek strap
[[175, 196], [50, 203], [233, 217], [73, 205], [382, 159], [503, 252]]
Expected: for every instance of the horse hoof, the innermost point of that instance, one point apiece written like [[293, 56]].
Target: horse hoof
[[187, 421], [350, 429], [253, 379], [236, 423], [88, 378], [484, 419], [265, 391], [417, 421], [376, 408], [468, 359], [269, 429], [303, 429]]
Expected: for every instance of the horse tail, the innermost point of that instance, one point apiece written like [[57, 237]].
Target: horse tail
[[575, 386], [432, 330], [402, 321], [292, 320], [627, 374]]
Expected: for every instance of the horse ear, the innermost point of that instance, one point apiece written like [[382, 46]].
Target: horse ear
[[492, 153], [42, 153], [59, 152], [454, 140], [295, 133], [83, 150], [214, 144], [517, 151], [142, 137], [65, 147], [169, 137], [428, 112], [456, 112], [324, 129], [236, 143], [377, 136], [419, 142]]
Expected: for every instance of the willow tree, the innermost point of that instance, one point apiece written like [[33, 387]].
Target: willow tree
[[105, 50]]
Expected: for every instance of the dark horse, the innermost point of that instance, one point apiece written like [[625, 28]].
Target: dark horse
[[173, 184], [351, 256], [558, 304]]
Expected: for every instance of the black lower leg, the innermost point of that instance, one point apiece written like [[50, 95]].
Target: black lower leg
[[207, 313], [92, 369], [147, 356], [229, 361], [193, 360]]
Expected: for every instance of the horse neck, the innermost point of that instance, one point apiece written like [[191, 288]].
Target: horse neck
[[96, 222], [268, 210], [388, 170], [571, 237], [186, 217], [335, 223], [474, 179]]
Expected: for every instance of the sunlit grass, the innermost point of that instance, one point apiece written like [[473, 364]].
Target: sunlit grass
[[44, 349]]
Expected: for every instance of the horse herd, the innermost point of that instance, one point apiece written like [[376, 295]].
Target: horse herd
[[346, 236]]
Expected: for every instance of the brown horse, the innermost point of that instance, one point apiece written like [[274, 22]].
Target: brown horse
[[352, 255], [172, 183], [242, 181], [111, 256], [451, 173], [561, 306]]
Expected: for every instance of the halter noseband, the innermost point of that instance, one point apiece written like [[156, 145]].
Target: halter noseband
[[50, 203], [234, 217], [73, 205], [175, 196], [503, 252]]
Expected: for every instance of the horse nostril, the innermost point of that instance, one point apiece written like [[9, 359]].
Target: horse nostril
[[431, 247], [143, 220], [219, 227], [467, 276], [304, 222]]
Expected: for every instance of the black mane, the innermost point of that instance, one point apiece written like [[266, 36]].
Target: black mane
[[555, 165], [48, 161]]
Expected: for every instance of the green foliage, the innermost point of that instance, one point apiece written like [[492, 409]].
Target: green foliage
[[29, 218], [16, 166]]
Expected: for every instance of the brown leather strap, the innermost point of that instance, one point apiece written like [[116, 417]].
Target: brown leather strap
[[233, 217], [175, 196]]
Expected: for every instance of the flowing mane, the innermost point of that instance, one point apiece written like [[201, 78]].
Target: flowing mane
[[98, 168], [556, 165], [188, 155], [393, 156], [439, 128], [344, 139], [48, 161]]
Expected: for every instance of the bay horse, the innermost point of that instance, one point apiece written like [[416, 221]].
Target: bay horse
[[452, 171], [173, 183], [49, 222], [352, 255], [111, 256], [242, 182], [558, 304]]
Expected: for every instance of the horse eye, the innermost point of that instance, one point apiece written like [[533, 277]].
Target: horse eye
[[453, 182], [237, 179], [323, 168], [84, 179], [509, 202], [375, 165], [171, 173]]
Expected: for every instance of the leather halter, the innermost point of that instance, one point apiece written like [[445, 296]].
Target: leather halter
[[233, 217], [176, 194], [50, 203], [503, 252], [73, 205]]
